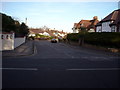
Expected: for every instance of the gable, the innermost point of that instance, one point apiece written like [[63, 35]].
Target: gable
[[112, 16]]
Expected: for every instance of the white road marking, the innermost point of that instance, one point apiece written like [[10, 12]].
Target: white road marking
[[30, 69], [93, 69]]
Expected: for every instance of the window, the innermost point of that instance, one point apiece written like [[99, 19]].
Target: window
[[104, 24], [113, 29], [99, 30]]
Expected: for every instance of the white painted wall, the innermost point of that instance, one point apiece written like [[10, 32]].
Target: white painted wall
[[91, 30], [46, 34], [75, 30], [106, 27], [98, 29], [31, 35], [19, 41], [7, 41]]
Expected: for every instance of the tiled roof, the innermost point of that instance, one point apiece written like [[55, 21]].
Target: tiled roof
[[36, 31], [93, 23], [117, 18], [114, 16], [84, 23], [75, 24], [99, 24], [87, 23], [50, 32]]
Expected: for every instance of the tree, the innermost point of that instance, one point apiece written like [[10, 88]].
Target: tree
[[17, 26], [23, 29], [8, 24], [82, 29]]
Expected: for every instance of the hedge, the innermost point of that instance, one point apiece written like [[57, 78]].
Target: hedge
[[73, 37], [106, 39]]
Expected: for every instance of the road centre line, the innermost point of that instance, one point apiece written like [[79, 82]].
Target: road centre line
[[93, 69], [27, 69]]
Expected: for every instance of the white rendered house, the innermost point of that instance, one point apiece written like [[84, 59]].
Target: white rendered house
[[110, 23]]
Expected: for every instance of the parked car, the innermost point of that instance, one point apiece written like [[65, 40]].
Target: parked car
[[54, 40]]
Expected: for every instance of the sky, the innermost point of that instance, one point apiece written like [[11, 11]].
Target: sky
[[58, 15]]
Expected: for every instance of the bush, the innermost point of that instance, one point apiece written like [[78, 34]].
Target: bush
[[73, 37], [106, 39]]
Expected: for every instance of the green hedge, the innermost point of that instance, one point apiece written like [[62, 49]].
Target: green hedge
[[106, 39], [73, 37]]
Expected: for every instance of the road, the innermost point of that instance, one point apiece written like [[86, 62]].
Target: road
[[58, 65]]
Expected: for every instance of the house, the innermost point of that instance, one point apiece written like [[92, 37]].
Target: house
[[57, 33], [88, 25], [33, 32], [51, 33], [46, 34], [75, 28], [110, 23]]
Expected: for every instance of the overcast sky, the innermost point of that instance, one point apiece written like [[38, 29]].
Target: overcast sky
[[58, 15]]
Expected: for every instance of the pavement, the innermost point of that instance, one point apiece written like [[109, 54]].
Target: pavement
[[24, 49]]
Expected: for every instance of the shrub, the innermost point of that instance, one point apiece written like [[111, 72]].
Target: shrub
[[106, 39], [73, 37]]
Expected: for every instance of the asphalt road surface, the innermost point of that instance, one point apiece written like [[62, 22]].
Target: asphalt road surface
[[58, 65]]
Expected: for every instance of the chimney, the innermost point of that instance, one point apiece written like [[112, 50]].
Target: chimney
[[95, 18]]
